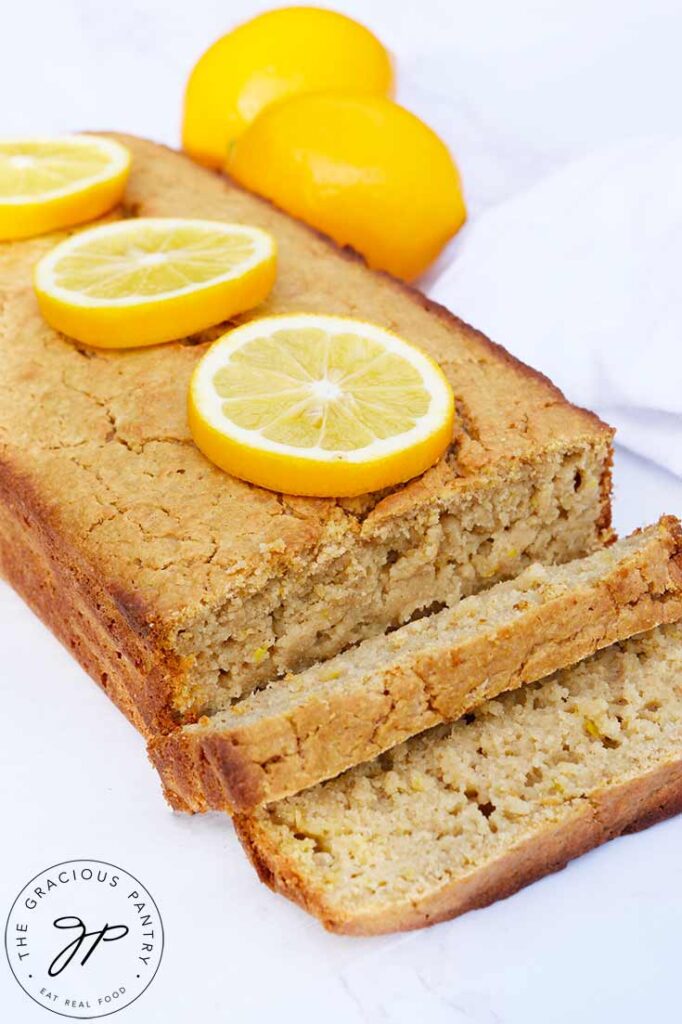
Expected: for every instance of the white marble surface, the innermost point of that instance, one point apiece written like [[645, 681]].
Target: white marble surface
[[519, 90]]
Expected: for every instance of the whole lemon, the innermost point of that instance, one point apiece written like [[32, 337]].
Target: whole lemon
[[278, 54], [359, 168]]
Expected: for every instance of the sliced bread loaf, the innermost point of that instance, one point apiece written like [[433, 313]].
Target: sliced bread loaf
[[314, 725], [180, 588], [469, 813]]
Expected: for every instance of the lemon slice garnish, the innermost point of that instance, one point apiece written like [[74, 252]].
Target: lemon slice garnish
[[47, 184], [319, 405], [148, 280]]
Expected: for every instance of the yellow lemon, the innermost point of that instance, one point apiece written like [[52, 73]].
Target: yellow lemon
[[319, 405], [147, 280], [360, 168], [47, 184], [273, 56]]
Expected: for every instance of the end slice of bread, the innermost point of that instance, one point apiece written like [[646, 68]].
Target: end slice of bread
[[312, 726], [471, 812]]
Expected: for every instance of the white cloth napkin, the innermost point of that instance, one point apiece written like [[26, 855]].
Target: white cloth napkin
[[580, 277]]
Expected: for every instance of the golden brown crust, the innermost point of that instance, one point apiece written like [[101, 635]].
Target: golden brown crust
[[91, 623], [237, 766], [634, 804]]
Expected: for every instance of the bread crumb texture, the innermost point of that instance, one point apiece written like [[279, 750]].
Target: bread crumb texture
[[467, 812], [311, 726]]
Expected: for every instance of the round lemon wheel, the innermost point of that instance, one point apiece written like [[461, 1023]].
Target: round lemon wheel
[[47, 184], [149, 280], [325, 406]]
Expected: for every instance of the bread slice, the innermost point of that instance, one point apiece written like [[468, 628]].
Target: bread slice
[[180, 588], [313, 726], [469, 813]]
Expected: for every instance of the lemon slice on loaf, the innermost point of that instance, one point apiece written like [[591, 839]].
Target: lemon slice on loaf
[[319, 405], [149, 280], [47, 184]]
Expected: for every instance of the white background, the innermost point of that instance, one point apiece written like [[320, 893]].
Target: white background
[[519, 90]]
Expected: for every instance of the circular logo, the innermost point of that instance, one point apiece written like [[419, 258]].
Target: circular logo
[[84, 938]]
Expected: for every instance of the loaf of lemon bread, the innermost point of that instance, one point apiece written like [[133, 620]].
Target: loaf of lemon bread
[[181, 589]]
